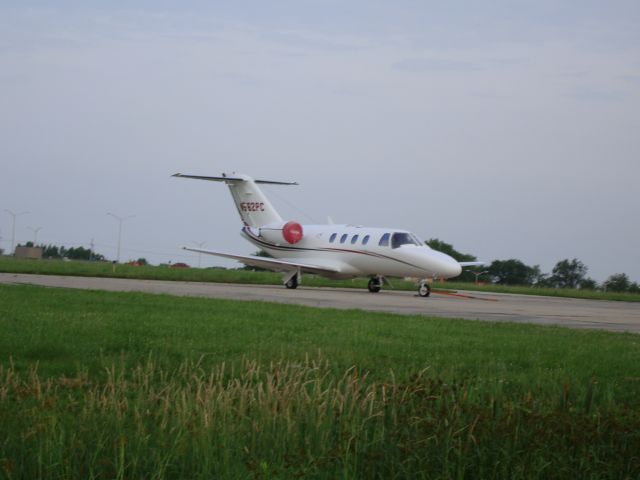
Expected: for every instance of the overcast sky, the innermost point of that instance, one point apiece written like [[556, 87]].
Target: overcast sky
[[509, 129]]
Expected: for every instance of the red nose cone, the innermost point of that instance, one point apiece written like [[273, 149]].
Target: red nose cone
[[292, 232]]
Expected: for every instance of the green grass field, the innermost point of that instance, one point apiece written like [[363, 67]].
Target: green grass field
[[104, 269], [128, 385]]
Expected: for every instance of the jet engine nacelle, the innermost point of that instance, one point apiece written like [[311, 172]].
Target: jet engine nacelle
[[291, 232]]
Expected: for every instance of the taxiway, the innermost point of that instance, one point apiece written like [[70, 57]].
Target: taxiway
[[565, 312]]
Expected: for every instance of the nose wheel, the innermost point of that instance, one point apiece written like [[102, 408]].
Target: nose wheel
[[292, 282], [424, 290], [374, 285]]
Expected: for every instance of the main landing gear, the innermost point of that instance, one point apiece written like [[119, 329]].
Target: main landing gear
[[292, 279], [292, 282], [375, 284]]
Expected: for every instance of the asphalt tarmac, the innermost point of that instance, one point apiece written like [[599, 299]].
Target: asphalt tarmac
[[565, 312]]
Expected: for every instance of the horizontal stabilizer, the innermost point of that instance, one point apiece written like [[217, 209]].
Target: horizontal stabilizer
[[232, 179], [269, 263]]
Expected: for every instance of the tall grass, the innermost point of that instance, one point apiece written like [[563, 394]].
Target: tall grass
[[129, 385], [298, 419]]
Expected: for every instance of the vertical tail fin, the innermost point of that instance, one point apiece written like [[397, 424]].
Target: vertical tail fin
[[254, 207]]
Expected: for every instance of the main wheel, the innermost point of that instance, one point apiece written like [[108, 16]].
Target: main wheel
[[293, 283], [424, 290], [374, 285]]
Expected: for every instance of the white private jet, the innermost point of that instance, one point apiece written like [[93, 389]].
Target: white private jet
[[334, 251]]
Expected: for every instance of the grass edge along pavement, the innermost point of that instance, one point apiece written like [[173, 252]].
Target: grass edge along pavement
[[220, 275], [159, 386]]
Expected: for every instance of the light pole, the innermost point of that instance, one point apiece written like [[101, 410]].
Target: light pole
[[477, 274], [13, 227], [35, 234], [120, 220], [200, 244]]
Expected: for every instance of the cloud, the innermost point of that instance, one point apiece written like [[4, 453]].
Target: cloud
[[426, 65], [595, 94], [632, 79]]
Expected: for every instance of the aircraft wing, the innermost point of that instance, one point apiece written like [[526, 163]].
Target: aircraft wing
[[472, 264], [269, 263]]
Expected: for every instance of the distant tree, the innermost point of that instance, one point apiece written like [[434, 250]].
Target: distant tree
[[618, 282], [259, 253], [81, 253], [568, 273], [634, 288], [78, 253], [588, 284], [51, 251], [513, 272], [73, 253], [538, 278], [466, 275], [543, 279], [142, 261], [447, 248]]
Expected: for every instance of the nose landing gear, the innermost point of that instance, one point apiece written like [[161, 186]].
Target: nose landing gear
[[424, 290]]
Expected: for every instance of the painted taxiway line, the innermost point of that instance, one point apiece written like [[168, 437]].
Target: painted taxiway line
[[566, 312]]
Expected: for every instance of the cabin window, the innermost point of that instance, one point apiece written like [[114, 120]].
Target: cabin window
[[343, 238], [384, 241], [354, 239], [332, 237], [365, 240], [402, 238]]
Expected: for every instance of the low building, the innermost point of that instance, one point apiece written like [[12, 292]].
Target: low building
[[34, 253]]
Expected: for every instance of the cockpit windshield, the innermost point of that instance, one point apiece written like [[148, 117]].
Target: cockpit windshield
[[401, 238], [418, 239]]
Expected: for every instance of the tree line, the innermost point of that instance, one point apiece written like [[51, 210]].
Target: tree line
[[567, 273], [73, 253]]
